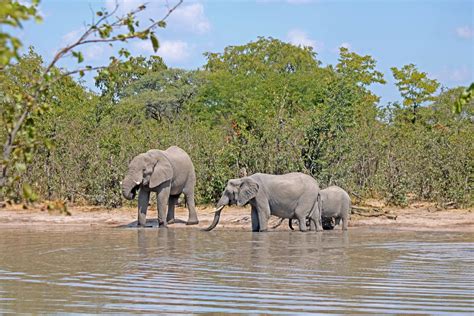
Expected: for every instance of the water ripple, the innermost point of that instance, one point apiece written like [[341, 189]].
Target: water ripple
[[185, 271]]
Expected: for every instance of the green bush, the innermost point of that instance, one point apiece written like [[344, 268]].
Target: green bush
[[290, 115]]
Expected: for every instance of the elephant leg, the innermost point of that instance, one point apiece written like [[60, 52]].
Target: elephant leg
[[143, 200], [302, 222], [344, 221], [162, 199], [171, 205], [263, 212], [255, 222], [192, 216], [312, 226]]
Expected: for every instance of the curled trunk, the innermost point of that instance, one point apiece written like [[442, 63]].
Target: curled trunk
[[214, 223], [128, 188]]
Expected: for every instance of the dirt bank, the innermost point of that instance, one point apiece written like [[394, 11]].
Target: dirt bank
[[420, 217]]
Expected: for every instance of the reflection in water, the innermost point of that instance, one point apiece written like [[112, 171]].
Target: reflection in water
[[185, 271]]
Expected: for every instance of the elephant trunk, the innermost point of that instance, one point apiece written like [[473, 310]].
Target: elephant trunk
[[217, 216], [129, 187]]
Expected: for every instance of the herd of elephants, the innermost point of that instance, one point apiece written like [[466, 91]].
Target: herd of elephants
[[295, 195]]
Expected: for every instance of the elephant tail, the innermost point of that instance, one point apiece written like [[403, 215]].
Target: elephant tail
[[320, 204], [290, 224], [316, 207], [317, 204]]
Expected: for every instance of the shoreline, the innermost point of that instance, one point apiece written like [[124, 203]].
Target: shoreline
[[416, 217]]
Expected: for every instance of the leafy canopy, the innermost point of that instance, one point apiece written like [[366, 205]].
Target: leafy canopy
[[415, 87]]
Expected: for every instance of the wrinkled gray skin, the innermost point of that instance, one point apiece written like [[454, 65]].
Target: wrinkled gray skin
[[335, 206], [335, 203], [167, 172], [292, 195]]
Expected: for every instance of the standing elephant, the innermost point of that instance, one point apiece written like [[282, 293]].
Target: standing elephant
[[291, 195], [167, 172], [335, 204]]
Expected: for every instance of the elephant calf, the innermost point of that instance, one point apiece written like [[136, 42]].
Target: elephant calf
[[167, 172], [335, 204]]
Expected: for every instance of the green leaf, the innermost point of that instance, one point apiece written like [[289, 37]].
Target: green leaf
[[79, 56], [154, 42], [162, 24]]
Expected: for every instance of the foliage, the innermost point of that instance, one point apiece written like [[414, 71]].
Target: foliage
[[323, 121], [466, 96], [114, 79], [415, 87], [359, 69], [26, 96], [12, 13]]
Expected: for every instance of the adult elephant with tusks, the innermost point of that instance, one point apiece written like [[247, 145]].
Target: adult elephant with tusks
[[167, 172], [291, 195]]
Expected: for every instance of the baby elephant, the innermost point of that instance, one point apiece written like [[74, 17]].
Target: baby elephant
[[335, 203]]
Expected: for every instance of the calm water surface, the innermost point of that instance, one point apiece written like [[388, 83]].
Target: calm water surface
[[189, 271]]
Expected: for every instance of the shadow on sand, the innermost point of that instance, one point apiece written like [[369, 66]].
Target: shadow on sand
[[150, 223]]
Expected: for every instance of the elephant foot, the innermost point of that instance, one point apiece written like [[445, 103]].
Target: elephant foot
[[195, 222], [162, 224], [263, 230], [171, 222]]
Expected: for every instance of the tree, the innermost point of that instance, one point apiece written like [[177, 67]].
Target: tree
[[257, 92], [466, 96], [119, 75], [415, 87], [359, 69], [12, 13], [165, 93], [18, 118], [261, 56]]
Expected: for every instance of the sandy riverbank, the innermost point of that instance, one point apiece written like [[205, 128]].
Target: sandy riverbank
[[420, 217]]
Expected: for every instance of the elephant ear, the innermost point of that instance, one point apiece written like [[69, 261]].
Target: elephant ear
[[248, 190], [162, 171]]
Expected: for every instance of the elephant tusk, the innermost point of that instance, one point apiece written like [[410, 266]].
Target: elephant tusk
[[216, 210], [137, 182]]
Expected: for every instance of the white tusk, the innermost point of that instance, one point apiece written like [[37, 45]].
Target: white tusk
[[137, 182], [216, 210]]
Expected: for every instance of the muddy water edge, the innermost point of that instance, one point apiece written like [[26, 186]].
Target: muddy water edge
[[122, 270]]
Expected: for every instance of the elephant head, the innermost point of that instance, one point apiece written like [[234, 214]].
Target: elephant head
[[237, 191], [148, 169]]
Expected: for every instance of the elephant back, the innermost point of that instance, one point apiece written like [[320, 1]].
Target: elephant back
[[180, 161]]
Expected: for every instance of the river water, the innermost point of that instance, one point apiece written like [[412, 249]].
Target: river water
[[53, 270]]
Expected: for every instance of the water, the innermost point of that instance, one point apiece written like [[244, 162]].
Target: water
[[188, 271]]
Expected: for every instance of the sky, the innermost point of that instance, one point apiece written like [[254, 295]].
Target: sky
[[436, 36]]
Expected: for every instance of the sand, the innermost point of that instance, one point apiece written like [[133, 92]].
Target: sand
[[418, 217]]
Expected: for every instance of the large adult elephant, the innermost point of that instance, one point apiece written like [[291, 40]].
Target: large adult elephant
[[167, 172], [291, 195]]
